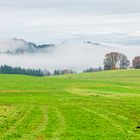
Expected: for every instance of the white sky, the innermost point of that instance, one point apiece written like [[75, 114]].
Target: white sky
[[45, 21]]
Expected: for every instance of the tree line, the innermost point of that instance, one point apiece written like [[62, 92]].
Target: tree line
[[112, 61], [59, 72], [18, 70], [93, 69]]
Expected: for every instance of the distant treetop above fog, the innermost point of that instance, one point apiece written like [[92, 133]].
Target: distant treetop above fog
[[20, 46]]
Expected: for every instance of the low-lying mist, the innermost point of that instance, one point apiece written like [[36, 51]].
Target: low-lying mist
[[68, 55]]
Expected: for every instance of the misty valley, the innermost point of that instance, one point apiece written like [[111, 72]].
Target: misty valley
[[69, 69]]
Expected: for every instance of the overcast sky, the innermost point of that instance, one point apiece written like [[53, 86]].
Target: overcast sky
[[53, 21]]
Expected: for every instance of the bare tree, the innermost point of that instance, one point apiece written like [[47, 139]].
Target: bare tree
[[115, 60], [136, 62], [111, 60], [124, 62]]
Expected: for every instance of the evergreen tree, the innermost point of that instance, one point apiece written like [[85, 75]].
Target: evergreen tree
[[18, 70]]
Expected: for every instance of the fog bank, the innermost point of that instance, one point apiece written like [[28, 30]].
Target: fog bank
[[68, 55]]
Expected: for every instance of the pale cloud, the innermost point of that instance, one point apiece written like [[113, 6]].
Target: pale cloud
[[111, 22], [57, 20]]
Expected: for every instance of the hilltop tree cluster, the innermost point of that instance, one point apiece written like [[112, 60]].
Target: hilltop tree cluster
[[65, 71], [116, 60], [93, 69], [136, 62]]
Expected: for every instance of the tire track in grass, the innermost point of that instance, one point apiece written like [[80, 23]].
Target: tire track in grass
[[43, 123], [5, 110], [4, 117], [38, 132], [12, 130], [11, 120], [56, 134], [132, 113], [56, 123], [118, 118], [82, 123], [122, 120], [110, 121], [30, 123]]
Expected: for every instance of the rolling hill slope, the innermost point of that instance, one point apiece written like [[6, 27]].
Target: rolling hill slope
[[103, 105]]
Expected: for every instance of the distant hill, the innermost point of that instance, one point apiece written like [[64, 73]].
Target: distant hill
[[20, 46]]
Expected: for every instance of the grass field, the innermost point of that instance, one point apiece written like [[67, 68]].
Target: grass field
[[89, 106]]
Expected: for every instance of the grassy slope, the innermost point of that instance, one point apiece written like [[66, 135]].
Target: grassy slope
[[102, 106]]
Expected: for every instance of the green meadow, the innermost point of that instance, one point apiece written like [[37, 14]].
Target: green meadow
[[87, 106]]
